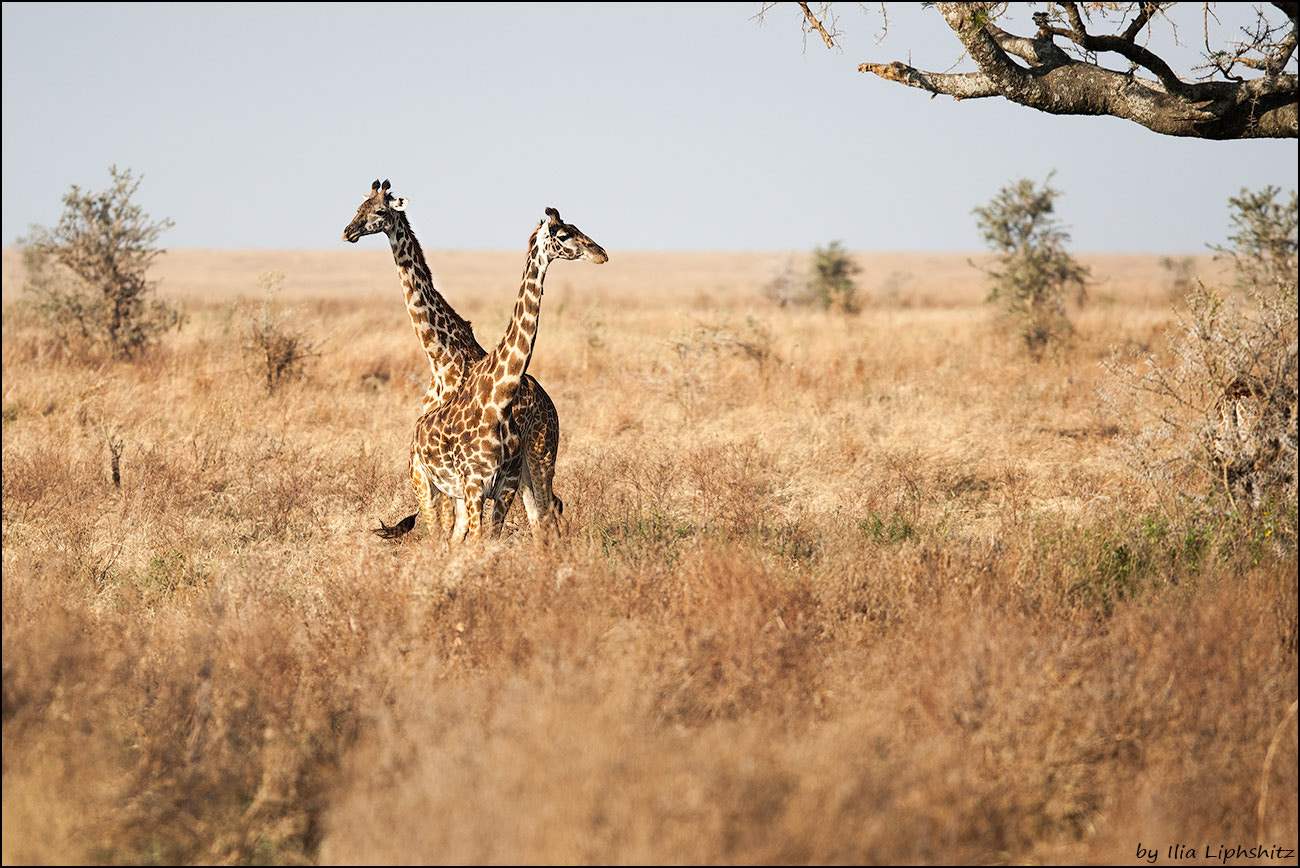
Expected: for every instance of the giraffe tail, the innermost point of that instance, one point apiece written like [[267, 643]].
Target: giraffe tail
[[397, 530]]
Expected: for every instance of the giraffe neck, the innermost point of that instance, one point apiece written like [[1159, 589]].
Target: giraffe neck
[[444, 334], [512, 355]]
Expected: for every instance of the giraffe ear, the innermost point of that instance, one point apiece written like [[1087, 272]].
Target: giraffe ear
[[399, 204]]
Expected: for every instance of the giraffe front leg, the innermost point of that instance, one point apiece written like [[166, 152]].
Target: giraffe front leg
[[446, 515], [475, 491], [461, 523]]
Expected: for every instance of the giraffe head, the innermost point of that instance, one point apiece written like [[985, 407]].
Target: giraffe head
[[560, 240], [376, 214]]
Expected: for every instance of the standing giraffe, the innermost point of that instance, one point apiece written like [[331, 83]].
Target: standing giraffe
[[449, 342], [460, 446]]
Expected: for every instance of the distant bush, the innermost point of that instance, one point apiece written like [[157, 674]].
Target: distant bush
[[829, 284], [1034, 270], [1181, 275], [787, 286], [280, 348], [86, 276]]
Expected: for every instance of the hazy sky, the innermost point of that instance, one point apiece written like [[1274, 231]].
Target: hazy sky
[[674, 126]]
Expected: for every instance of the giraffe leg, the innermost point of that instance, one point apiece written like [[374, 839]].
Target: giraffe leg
[[430, 502], [491, 524], [461, 523], [474, 491], [446, 514], [540, 447], [557, 514], [529, 493], [504, 491], [503, 504], [541, 504]]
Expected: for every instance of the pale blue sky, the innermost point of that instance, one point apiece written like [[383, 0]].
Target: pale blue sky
[[652, 126]]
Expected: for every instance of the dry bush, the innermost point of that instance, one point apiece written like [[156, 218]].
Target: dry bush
[[274, 337], [1215, 418], [890, 596]]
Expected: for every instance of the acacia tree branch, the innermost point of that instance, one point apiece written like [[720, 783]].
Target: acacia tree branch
[[1053, 81], [1032, 51], [1145, 11], [967, 85], [1126, 48]]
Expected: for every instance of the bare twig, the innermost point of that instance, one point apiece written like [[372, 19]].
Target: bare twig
[[817, 25]]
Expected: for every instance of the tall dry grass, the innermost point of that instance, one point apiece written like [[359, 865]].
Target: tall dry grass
[[836, 589]]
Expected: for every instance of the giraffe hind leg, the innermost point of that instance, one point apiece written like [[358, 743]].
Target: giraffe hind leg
[[542, 506]]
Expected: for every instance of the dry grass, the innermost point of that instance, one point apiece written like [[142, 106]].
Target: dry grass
[[866, 589]]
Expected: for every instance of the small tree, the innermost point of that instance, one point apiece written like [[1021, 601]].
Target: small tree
[[832, 283], [87, 274], [1034, 269]]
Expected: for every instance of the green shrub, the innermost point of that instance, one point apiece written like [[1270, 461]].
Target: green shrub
[[1033, 269], [1264, 246], [832, 285]]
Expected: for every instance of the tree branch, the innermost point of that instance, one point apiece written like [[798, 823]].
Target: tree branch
[[1055, 82], [968, 85], [817, 25], [1126, 48]]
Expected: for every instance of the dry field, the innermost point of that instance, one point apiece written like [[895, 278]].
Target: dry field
[[835, 589]]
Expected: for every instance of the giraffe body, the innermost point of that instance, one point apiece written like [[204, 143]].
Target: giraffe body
[[464, 445], [448, 341]]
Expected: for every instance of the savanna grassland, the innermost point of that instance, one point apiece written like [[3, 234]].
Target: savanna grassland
[[870, 588]]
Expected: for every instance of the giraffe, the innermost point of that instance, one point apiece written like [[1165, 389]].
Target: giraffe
[[448, 341], [460, 446]]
